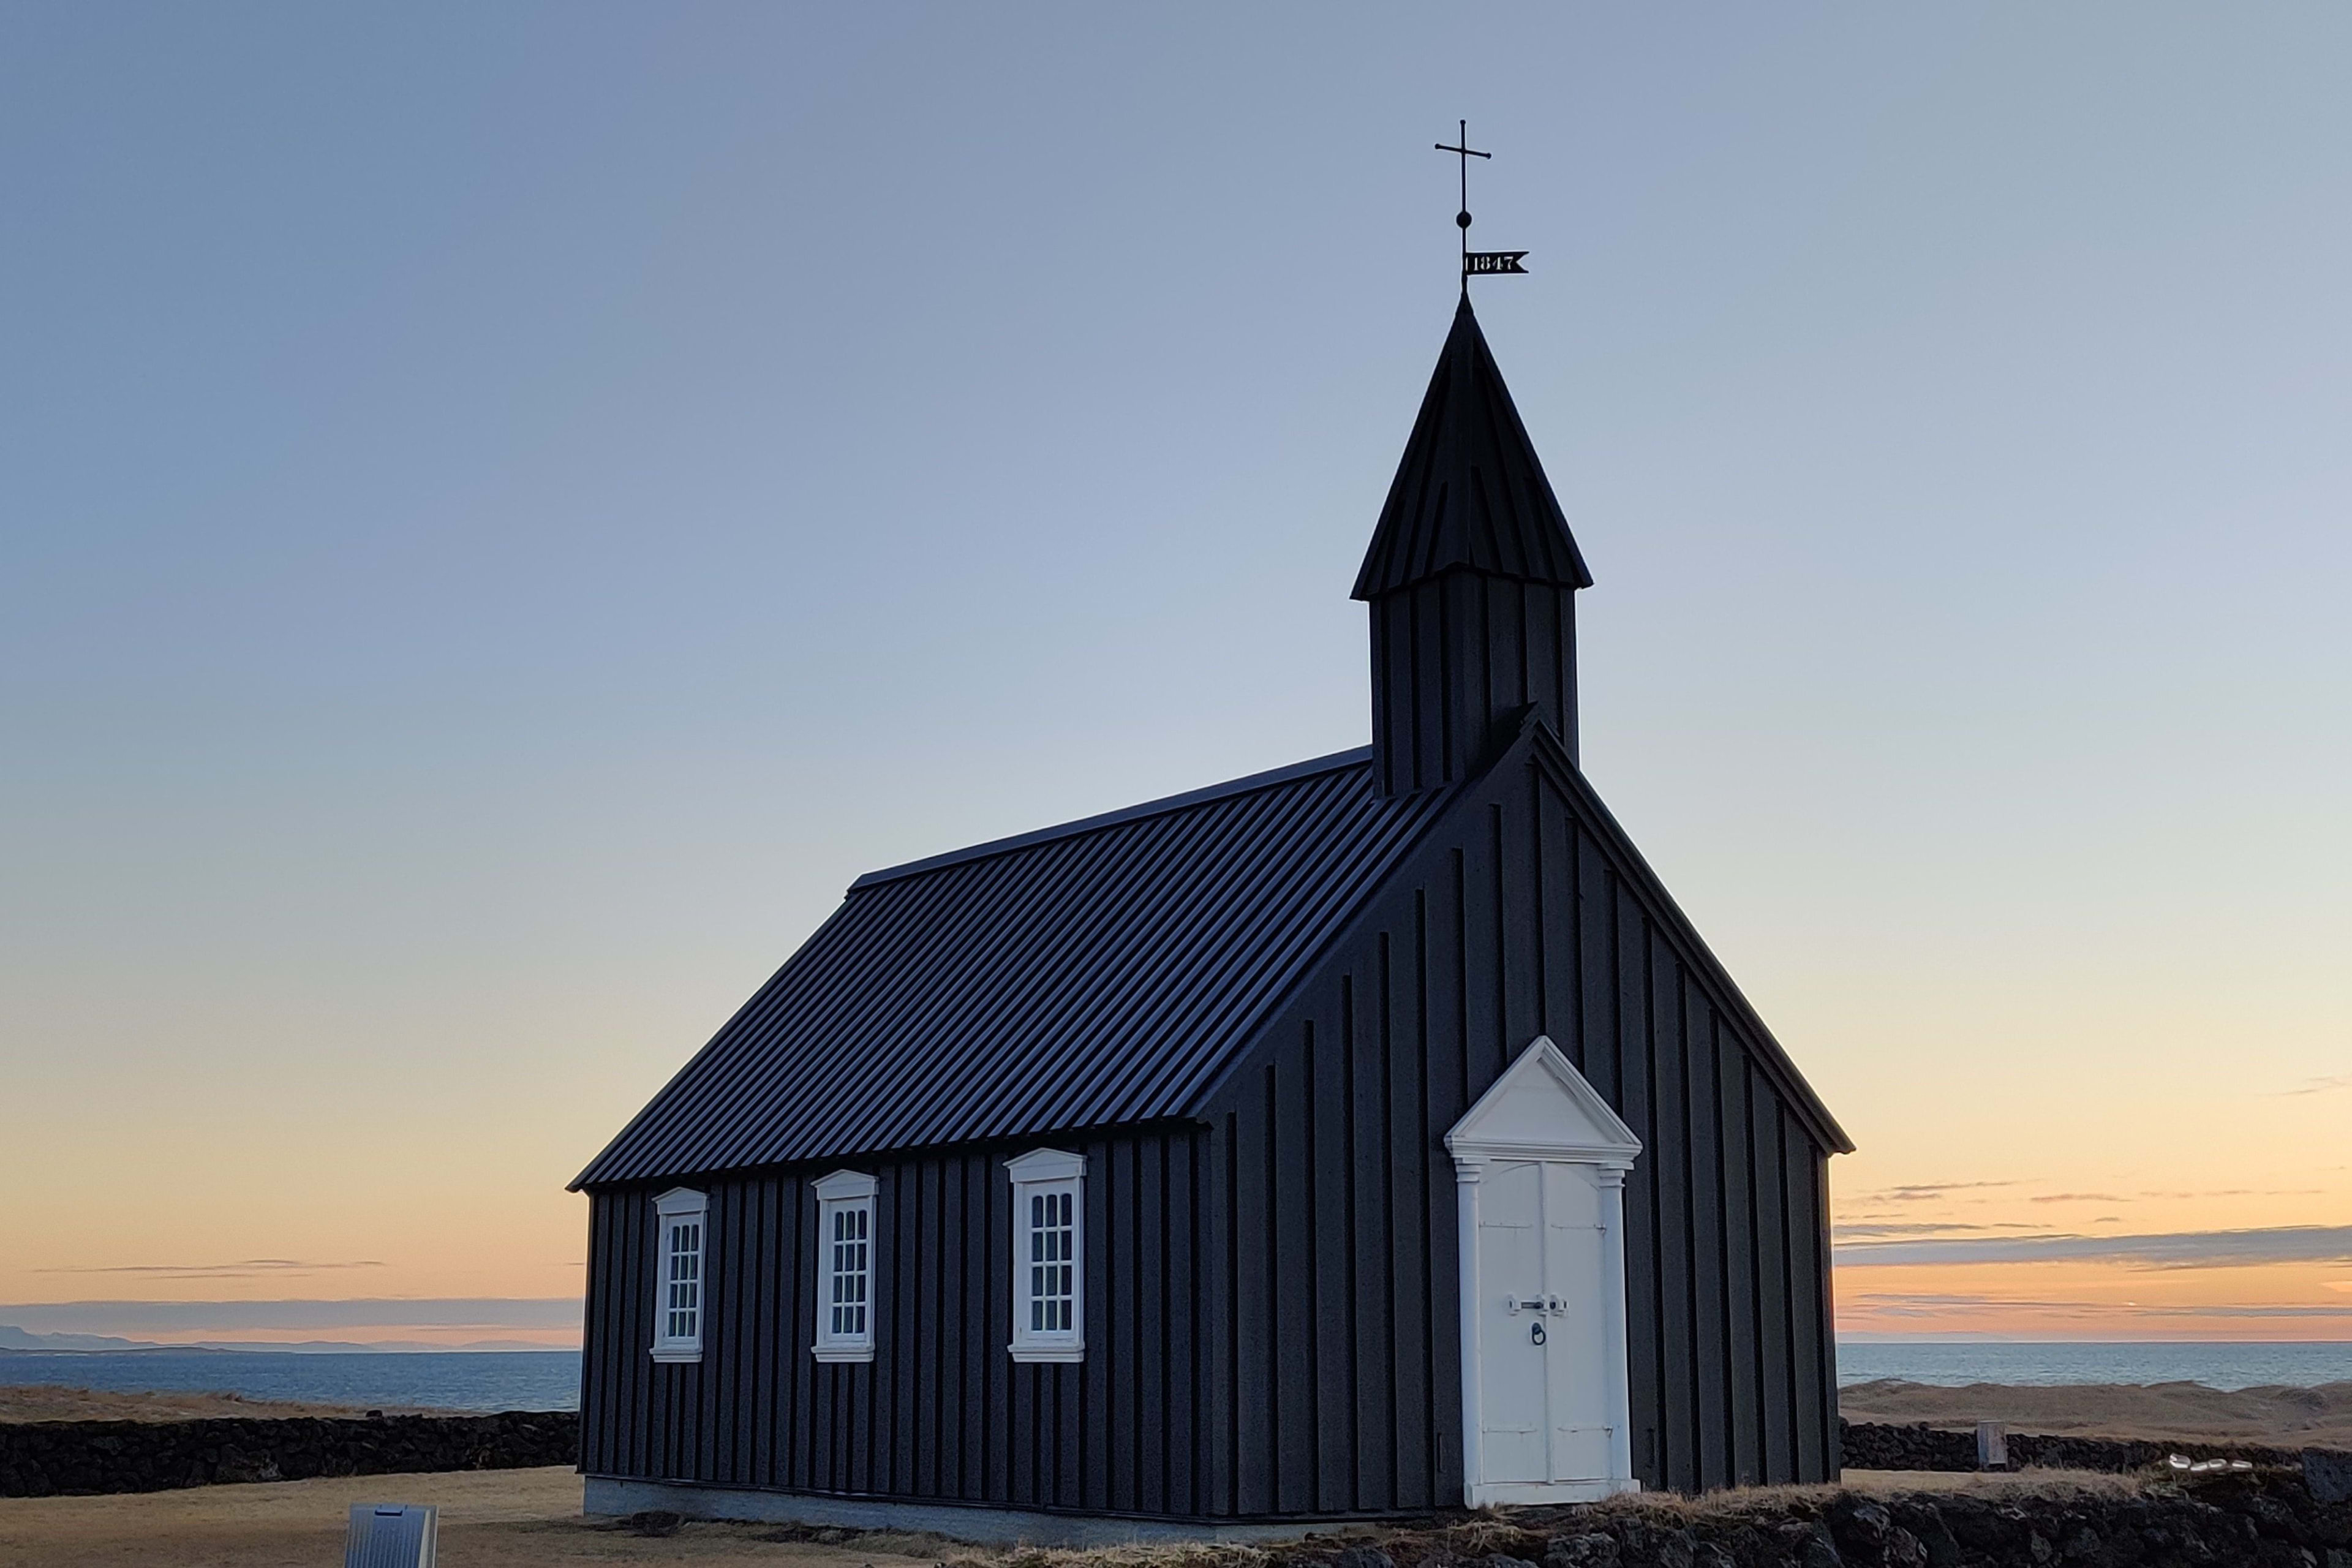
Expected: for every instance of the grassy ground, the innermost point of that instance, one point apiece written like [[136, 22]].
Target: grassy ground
[[49, 1402], [508, 1518], [490, 1519], [2159, 1413]]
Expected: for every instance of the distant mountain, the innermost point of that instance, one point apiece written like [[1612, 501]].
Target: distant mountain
[[22, 1342], [15, 1339]]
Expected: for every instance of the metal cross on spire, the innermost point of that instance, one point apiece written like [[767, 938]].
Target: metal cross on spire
[[1475, 261]]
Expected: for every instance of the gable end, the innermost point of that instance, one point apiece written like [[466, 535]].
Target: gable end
[[1551, 761]]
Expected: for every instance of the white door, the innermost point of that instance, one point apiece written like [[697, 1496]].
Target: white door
[[1544, 1389]]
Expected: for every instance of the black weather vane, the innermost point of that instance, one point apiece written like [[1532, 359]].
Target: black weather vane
[[1476, 262]]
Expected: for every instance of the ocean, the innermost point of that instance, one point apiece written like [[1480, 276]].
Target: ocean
[[1955, 1362], [441, 1380], [550, 1380]]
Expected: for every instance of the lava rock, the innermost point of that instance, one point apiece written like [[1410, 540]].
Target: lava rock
[[1860, 1526], [46, 1459], [2328, 1475], [1653, 1546], [1820, 1551], [1903, 1550], [1596, 1549], [657, 1523]]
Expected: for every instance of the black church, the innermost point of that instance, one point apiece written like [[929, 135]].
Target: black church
[[1367, 1136]]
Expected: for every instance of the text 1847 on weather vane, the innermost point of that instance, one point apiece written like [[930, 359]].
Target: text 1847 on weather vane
[[1475, 263]]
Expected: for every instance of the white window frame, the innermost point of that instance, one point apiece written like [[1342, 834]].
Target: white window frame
[[1038, 1174], [844, 1194], [678, 1208]]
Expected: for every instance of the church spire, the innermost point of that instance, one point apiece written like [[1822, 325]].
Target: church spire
[[1471, 576]]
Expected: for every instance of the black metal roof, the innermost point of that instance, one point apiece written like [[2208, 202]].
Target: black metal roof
[[1470, 492], [1100, 972]]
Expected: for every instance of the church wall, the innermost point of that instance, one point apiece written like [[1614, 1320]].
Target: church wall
[[943, 1412], [1271, 1325], [1524, 917]]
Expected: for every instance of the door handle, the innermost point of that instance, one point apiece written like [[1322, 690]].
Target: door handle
[[1536, 1333]]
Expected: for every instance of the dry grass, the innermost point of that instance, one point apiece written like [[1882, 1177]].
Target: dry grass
[[1507, 1530], [527, 1519], [510, 1518], [490, 1519], [52, 1402], [2159, 1412]]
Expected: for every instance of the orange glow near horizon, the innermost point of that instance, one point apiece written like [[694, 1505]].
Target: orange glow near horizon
[[2092, 1301]]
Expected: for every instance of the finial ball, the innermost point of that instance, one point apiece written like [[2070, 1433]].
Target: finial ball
[[1462, 218]]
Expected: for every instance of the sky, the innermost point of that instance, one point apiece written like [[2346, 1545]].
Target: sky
[[505, 512]]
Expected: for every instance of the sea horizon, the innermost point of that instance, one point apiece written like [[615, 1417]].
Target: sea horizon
[[487, 1380]]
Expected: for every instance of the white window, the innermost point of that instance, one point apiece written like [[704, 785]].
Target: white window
[[678, 1232], [1049, 1249], [845, 1268]]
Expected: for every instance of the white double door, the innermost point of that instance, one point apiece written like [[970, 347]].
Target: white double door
[[1544, 1331]]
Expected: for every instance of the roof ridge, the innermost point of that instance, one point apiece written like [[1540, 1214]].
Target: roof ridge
[[1332, 762]]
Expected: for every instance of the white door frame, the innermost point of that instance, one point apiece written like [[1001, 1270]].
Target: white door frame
[[1593, 1135]]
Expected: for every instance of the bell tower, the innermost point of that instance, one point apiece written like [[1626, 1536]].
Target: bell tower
[[1472, 578]]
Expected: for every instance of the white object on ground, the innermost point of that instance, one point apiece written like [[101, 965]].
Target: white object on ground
[[1992, 1445], [392, 1535]]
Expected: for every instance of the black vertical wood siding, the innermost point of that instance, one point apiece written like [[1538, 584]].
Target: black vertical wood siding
[[943, 1412], [1525, 918], [1456, 659], [1272, 1321]]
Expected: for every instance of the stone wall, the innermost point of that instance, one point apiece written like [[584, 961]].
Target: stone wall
[[42, 1458], [1871, 1445], [2262, 1518]]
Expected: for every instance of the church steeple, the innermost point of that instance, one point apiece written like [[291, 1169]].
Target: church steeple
[[1472, 577]]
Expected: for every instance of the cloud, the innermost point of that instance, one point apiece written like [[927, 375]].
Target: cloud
[[1924, 1192], [1935, 1304], [246, 1268], [2178, 1250], [185, 1317], [1922, 1228], [2317, 1086], [2080, 1198], [2241, 1193]]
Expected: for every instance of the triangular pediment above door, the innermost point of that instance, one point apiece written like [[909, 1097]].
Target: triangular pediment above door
[[1542, 1107]]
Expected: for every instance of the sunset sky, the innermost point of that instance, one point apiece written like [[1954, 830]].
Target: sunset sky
[[506, 512]]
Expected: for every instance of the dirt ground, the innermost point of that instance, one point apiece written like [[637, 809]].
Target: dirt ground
[[525, 1519], [510, 1518], [51, 1402], [490, 1519], [2160, 1412]]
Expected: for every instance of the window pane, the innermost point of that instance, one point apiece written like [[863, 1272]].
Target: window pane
[[681, 1275], [847, 1261]]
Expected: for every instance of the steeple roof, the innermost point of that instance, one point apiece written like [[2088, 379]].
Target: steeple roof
[[1470, 492]]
